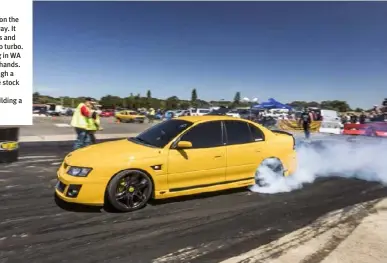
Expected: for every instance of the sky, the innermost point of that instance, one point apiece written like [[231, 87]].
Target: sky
[[310, 51]]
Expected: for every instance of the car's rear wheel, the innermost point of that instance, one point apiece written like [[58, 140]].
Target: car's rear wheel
[[129, 190], [269, 170]]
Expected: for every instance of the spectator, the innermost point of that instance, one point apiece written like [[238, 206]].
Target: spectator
[[362, 118], [83, 121], [305, 120]]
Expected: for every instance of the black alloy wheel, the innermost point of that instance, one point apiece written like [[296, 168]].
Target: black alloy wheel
[[129, 190]]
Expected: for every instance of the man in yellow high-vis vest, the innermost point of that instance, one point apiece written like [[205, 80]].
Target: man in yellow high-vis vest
[[94, 125], [82, 120]]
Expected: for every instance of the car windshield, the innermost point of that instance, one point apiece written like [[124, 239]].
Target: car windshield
[[162, 133]]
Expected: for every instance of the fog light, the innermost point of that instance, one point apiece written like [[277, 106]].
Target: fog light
[[73, 190]]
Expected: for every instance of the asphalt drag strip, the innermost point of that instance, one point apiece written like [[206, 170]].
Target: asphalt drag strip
[[204, 228]]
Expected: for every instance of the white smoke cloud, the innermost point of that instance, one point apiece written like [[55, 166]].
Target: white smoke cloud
[[361, 160]]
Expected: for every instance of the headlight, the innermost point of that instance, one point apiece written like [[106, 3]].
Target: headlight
[[79, 171]]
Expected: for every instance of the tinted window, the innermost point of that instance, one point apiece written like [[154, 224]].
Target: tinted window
[[205, 135], [162, 133], [256, 133], [238, 132]]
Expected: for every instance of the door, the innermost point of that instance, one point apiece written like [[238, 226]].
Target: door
[[123, 115], [245, 150], [202, 165]]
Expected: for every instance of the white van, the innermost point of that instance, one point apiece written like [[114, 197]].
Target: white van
[[329, 115], [330, 122], [199, 111]]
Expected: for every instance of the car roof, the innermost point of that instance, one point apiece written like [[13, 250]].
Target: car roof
[[209, 118]]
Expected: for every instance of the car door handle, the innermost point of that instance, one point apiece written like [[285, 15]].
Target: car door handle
[[218, 156]]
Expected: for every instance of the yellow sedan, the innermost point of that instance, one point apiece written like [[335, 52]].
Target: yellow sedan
[[182, 156], [129, 116]]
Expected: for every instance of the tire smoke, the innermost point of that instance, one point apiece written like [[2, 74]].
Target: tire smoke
[[365, 160]]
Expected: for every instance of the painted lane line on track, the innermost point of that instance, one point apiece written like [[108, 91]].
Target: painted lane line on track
[[37, 157], [72, 137], [34, 161], [63, 125], [335, 226], [40, 160], [304, 243], [28, 218]]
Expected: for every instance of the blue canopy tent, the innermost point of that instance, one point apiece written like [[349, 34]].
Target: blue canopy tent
[[271, 104]]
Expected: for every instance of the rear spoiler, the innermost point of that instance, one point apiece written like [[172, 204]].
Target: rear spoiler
[[287, 133], [282, 132]]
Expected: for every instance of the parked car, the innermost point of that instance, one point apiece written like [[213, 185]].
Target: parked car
[[107, 113], [130, 116]]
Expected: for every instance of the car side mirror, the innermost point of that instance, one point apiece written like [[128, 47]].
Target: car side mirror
[[184, 145]]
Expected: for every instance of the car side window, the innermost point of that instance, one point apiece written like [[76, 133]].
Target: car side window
[[205, 135], [256, 133], [238, 132]]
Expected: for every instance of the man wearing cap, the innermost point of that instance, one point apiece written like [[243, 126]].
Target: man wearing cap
[[82, 120]]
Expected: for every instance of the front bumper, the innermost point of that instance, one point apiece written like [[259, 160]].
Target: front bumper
[[80, 190]]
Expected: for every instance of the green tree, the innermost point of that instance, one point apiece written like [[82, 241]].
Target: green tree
[[36, 97], [337, 105], [194, 98], [184, 105], [110, 101], [148, 99], [172, 103], [298, 104], [313, 104], [237, 98]]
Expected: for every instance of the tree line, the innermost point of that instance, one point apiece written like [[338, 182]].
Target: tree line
[[135, 101]]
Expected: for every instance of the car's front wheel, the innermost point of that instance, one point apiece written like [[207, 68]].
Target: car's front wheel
[[129, 190]]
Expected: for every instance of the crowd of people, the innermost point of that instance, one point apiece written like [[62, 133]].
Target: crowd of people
[[377, 114]]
